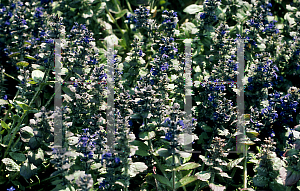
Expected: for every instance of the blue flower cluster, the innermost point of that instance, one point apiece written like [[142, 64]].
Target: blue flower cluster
[[140, 18]]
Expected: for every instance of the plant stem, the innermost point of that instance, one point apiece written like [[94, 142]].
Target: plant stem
[[114, 21], [128, 5], [245, 166]]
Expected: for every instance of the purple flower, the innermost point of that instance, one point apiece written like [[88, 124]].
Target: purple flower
[[7, 23], [5, 97], [140, 52]]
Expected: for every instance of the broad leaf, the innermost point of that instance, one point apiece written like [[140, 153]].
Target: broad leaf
[[193, 9], [188, 166], [17, 156], [10, 164], [185, 180], [162, 180], [136, 168]]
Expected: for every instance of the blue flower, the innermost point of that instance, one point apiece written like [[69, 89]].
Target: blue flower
[[5, 97], [140, 52], [181, 123], [7, 23], [269, 5], [168, 136], [24, 22], [130, 123], [11, 189], [117, 160], [202, 15]]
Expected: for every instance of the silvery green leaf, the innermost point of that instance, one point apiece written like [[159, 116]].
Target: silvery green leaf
[[136, 168], [37, 75], [10, 164], [203, 175], [193, 9]]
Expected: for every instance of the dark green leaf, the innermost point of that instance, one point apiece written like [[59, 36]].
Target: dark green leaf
[[143, 148], [162, 180], [17, 156]]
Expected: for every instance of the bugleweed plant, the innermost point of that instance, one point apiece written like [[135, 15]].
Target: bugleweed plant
[[149, 96]]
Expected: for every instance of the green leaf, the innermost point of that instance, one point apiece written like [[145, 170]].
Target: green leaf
[[17, 156], [120, 14], [87, 13], [24, 106], [163, 152], [36, 66], [136, 168], [206, 128], [14, 54], [27, 170], [193, 9], [23, 63], [3, 180], [30, 57], [96, 166], [185, 180], [147, 135], [234, 163], [215, 187], [252, 134], [143, 148], [162, 180], [27, 43], [203, 175], [3, 102], [188, 166], [16, 118], [37, 75], [10, 164], [5, 126]]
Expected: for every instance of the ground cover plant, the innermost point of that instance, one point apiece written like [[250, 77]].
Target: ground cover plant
[[149, 64]]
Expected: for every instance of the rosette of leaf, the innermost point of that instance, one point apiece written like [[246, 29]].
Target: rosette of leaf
[[268, 167], [215, 162]]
